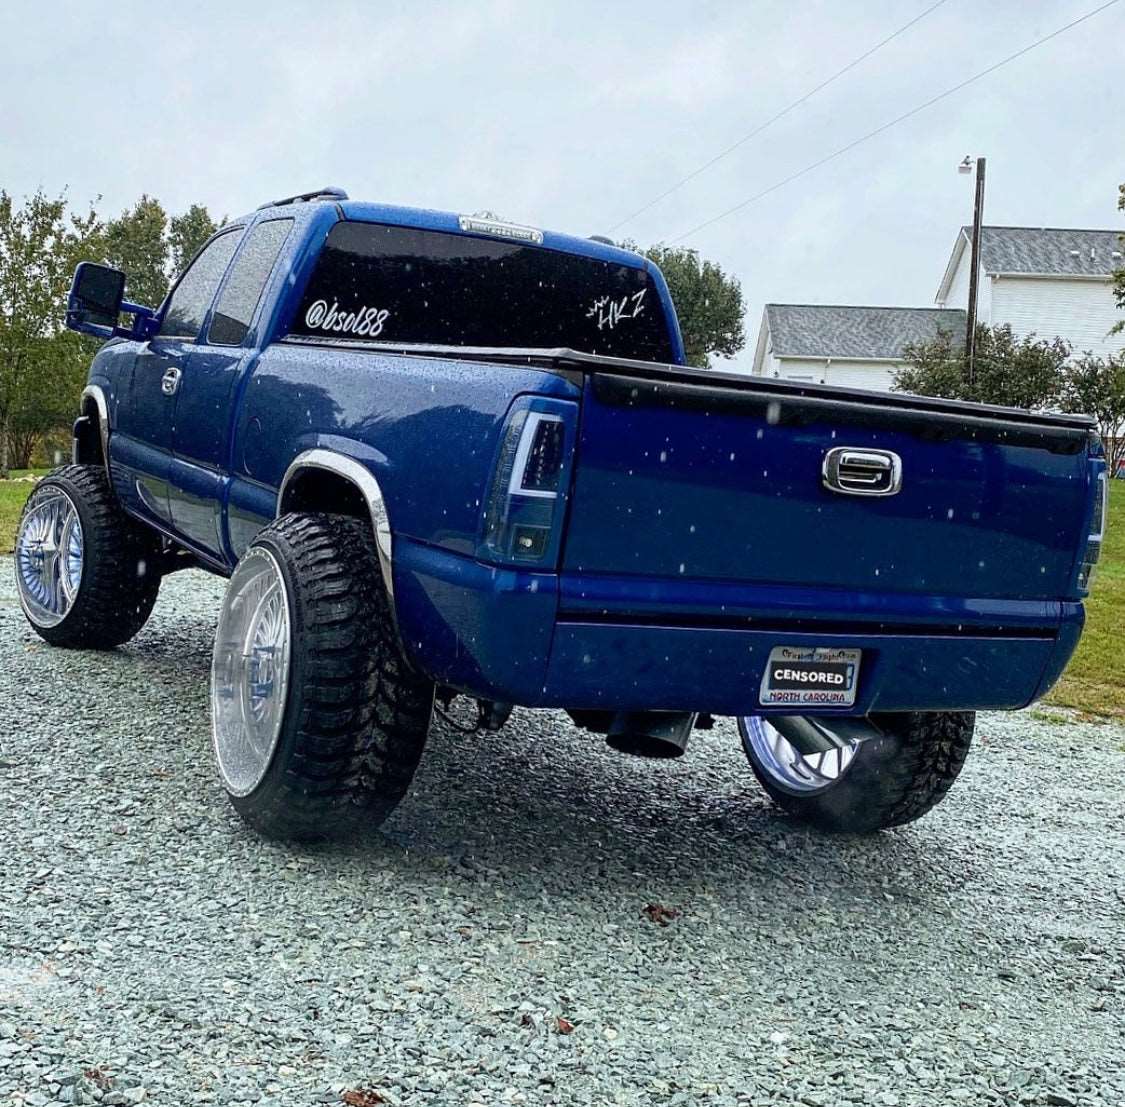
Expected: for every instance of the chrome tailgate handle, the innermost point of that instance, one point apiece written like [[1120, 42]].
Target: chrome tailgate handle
[[855, 472]]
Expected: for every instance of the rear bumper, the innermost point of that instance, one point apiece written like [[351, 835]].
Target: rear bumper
[[541, 640]]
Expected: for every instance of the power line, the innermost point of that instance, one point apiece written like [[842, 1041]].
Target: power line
[[898, 119], [774, 118]]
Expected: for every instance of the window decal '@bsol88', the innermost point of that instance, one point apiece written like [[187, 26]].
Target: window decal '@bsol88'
[[364, 322]]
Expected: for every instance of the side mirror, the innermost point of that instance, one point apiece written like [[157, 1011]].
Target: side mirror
[[95, 299]]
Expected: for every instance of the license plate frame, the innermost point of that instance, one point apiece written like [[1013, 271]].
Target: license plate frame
[[832, 678]]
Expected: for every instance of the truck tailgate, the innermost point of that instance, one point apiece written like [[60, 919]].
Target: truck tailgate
[[681, 475]]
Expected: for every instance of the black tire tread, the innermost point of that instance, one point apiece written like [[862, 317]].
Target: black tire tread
[[357, 713], [115, 597], [893, 779]]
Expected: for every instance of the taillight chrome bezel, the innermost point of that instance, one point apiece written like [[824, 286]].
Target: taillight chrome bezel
[[533, 424], [522, 525]]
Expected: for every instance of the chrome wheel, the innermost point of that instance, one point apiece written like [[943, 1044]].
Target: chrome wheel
[[49, 556], [250, 672], [789, 770]]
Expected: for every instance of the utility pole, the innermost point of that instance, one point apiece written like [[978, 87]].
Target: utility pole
[[978, 215]]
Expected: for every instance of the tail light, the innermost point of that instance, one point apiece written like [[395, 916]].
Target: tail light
[[526, 500], [1097, 533]]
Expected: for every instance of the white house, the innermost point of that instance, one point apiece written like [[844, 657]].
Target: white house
[[1048, 281], [859, 347]]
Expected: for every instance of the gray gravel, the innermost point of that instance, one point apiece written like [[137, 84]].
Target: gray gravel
[[492, 946]]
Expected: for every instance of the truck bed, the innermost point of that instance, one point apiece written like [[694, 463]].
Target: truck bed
[[699, 536]]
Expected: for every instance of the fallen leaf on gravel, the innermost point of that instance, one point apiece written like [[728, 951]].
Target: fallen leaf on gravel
[[565, 1025], [98, 1076], [362, 1097], [660, 914]]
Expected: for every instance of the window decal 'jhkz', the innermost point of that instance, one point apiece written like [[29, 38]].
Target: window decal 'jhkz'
[[366, 322], [609, 312]]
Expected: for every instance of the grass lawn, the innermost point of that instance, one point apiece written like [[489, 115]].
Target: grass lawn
[[1094, 682], [13, 495]]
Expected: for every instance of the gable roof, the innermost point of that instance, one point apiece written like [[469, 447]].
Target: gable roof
[[833, 330], [1054, 250], [1042, 251]]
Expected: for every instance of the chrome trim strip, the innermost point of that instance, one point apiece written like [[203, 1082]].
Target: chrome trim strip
[[365, 481]]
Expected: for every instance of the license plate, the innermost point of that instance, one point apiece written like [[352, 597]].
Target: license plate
[[810, 676]]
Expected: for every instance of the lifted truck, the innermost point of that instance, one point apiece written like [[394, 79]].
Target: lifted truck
[[437, 454]]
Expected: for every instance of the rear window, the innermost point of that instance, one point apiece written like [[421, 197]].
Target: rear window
[[381, 283]]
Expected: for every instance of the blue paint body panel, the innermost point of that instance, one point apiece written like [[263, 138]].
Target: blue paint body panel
[[687, 540]]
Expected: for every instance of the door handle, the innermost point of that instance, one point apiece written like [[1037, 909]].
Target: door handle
[[170, 382]]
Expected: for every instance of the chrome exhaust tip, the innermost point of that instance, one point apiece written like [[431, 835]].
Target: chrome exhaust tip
[[811, 735]]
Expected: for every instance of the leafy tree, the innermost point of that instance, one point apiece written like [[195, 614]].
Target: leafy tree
[[1017, 372], [40, 244], [48, 399], [708, 302], [1096, 386], [187, 233], [42, 365], [1119, 275], [135, 242]]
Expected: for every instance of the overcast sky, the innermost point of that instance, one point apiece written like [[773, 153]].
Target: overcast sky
[[572, 115]]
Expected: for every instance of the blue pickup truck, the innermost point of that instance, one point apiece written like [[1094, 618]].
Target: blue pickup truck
[[442, 455]]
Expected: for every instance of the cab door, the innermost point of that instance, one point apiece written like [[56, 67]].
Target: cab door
[[200, 468], [141, 446]]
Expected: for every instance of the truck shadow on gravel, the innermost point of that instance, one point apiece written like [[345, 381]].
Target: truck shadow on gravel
[[544, 802]]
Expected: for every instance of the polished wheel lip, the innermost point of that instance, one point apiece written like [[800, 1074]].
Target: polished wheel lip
[[250, 671], [786, 769], [49, 556]]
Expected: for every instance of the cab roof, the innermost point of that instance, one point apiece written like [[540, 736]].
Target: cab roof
[[477, 226]]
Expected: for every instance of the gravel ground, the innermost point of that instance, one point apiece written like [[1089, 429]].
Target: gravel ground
[[492, 945]]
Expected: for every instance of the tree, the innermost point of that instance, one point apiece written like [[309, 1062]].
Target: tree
[[708, 302], [43, 366], [1096, 386], [48, 397], [1024, 372], [40, 244], [187, 233], [1119, 274], [135, 242]]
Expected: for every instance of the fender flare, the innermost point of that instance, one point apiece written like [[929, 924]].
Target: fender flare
[[359, 475], [97, 394]]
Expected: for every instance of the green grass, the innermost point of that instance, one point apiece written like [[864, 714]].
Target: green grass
[[1094, 682], [13, 494], [12, 497]]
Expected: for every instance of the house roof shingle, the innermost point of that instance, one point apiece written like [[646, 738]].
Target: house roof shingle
[[822, 330], [1057, 251]]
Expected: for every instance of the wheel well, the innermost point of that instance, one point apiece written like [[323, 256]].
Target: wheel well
[[315, 489], [88, 435]]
